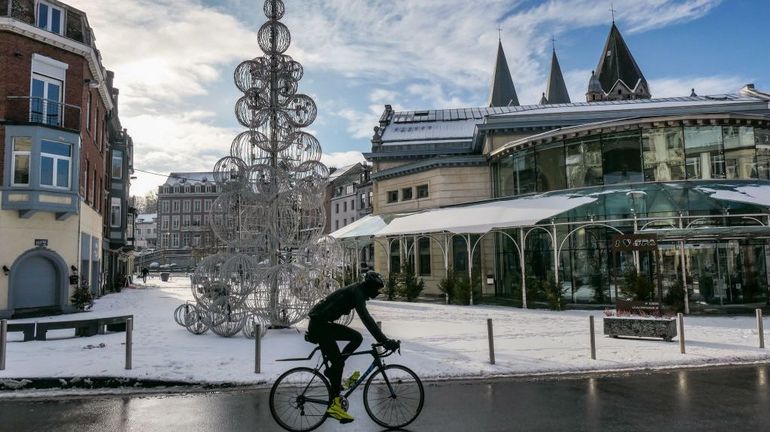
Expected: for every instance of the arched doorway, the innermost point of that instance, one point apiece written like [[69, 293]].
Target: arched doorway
[[38, 281]]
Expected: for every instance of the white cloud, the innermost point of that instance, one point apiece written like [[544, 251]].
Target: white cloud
[[681, 86]]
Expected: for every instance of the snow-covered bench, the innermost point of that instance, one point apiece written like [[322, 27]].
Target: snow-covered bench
[[88, 327], [27, 328]]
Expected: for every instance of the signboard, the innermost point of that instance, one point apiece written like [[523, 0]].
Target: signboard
[[635, 242], [41, 242]]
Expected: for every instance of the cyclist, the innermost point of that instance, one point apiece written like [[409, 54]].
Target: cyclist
[[323, 330]]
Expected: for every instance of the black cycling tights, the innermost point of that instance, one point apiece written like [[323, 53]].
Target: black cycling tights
[[327, 334]]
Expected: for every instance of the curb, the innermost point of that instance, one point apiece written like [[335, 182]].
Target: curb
[[10, 385]]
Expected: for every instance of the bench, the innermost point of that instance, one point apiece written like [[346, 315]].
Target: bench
[[27, 328], [83, 328]]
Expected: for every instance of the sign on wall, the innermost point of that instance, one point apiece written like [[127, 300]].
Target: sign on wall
[[635, 242], [41, 242]]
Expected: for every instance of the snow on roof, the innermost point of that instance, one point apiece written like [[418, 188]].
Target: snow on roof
[[146, 217], [482, 218], [754, 194], [367, 226], [176, 178]]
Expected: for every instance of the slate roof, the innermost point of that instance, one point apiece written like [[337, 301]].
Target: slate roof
[[502, 92], [617, 63], [556, 91], [176, 178]]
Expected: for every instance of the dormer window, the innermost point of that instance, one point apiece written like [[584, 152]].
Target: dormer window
[[50, 17]]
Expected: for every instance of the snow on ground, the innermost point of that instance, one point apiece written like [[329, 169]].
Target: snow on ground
[[438, 342]]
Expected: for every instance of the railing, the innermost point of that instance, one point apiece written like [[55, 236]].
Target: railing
[[35, 110]]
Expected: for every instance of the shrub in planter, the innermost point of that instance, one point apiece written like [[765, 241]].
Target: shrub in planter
[[554, 294], [675, 296], [391, 286], [410, 286], [82, 299]]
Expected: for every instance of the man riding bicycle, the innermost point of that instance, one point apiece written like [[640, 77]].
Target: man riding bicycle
[[323, 330]]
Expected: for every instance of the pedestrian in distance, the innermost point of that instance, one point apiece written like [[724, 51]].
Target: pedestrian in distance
[[145, 272]]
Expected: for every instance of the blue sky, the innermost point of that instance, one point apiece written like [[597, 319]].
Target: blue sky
[[174, 59]]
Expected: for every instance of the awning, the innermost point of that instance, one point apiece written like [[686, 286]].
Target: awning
[[365, 227], [482, 218]]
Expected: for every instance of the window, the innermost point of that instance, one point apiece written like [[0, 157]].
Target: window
[[336, 208], [45, 100], [371, 197], [207, 205], [197, 205], [762, 140], [50, 18], [550, 162], [206, 219], [174, 222], [422, 191], [622, 158], [175, 206], [197, 188], [703, 152], [362, 204], [353, 204], [424, 252], [164, 206], [196, 220], [185, 239], [523, 175], [344, 221], [88, 111], [55, 164], [22, 146], [344, 206], [337, 224], [395, 257], [115, 213], [584, 163], [406, 194], [185, 220], [186, 206], [740, 152], [392, 196], [85, 183], [117, 164], [663, 152], [174, 240]]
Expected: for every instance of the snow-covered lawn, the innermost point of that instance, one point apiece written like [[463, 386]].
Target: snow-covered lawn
[[438, 342]]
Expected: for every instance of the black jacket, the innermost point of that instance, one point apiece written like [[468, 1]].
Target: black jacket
[[344, 300]]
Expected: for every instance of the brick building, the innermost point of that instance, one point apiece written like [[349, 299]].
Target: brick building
[[55, 106]]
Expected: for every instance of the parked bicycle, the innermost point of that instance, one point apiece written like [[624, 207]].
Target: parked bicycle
[[393, 394]]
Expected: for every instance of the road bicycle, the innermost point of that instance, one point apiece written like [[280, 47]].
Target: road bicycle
[[393, 394]]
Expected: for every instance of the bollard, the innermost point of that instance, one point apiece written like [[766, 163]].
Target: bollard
[[3, 340], [129, 341], [760, 328], [680, 318], [258, 348], [593, 336], [491, 338]]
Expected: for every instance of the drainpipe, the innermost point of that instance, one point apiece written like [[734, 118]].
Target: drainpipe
[[684, 271], [523, 269]]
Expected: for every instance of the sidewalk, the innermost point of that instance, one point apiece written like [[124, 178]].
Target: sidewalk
[[438, 342]]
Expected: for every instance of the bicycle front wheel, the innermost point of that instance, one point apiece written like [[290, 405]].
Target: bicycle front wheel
[[393, 396], [299, 399]]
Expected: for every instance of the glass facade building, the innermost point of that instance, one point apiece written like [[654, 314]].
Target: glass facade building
[[702, 186]]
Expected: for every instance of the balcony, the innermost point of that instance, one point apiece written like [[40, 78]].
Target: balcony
[[38, 111]]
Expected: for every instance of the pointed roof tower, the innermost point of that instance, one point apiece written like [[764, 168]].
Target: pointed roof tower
[[617, 64], [502, 91], [556, 92]]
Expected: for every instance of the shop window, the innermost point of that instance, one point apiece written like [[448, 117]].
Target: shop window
[[424, 254], [392, 196], [422, 191], [703, 152], [584, 163], [663, 151], [740, 152], [22, 148], [406, 194], [55, 164], [550, 163], [622, 158]]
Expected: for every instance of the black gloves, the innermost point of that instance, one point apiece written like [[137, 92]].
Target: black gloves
[[391, 345]]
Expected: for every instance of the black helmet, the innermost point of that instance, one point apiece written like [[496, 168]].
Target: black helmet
[[373, 282]]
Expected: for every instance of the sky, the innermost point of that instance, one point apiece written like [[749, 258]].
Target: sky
[[174, 59]]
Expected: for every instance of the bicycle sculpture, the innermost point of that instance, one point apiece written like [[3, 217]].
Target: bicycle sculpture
[[393, 394], [270, 213]]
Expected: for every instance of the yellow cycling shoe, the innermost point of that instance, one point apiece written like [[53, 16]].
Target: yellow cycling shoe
[[348, 383], [336, 412]]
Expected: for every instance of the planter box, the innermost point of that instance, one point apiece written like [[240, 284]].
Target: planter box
[[164, 277], [664, 328]]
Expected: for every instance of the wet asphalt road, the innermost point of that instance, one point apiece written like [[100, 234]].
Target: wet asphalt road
[[724, 399]]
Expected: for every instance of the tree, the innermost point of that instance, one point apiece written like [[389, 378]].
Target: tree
[[150, 202]]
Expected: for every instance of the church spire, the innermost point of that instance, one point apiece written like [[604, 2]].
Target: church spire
[[618, 73], [556, 91], [502, 91]]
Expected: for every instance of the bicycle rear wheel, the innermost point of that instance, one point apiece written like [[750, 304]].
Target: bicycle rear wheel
[[393, 396], [299, 399]]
